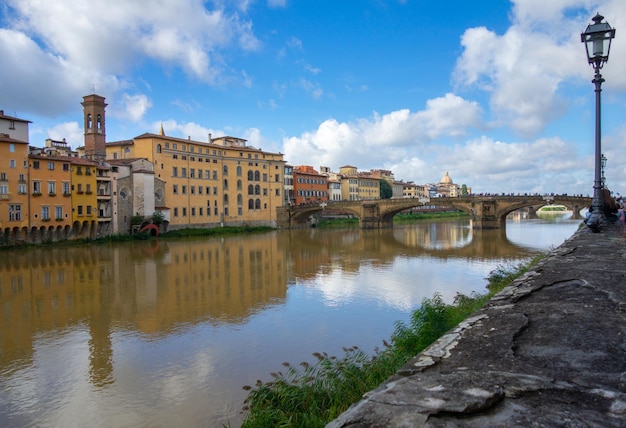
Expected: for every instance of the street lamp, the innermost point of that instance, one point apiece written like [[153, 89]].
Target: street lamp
[[597, 39]]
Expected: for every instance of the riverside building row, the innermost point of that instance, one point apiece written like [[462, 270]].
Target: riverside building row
[[103, 188]]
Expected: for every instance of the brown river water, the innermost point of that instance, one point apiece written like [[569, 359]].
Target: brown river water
[[165, 333]]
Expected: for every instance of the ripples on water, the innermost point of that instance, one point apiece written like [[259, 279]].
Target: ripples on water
[[167, 333]]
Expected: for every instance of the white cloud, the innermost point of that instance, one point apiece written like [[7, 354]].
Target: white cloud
[[67, 46], [134, 107], [366, 141], [525, 68]]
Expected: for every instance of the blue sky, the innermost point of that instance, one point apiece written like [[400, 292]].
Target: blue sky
[[497, 93]]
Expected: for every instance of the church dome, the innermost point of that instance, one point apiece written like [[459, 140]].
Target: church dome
[[446, 179]]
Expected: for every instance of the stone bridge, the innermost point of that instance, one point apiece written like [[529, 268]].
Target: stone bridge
[[486, 212]]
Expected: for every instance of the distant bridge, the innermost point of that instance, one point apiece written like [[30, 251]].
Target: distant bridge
[[486, 212]]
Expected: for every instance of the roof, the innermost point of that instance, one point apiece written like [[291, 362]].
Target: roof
[[5, 138], [17, 119]]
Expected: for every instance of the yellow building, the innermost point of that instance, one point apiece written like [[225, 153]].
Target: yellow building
[[84, 198], [50, 203], [14, 213], [349, 183], [221, 182], [369, 186]]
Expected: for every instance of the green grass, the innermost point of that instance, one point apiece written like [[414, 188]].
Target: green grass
[[216, 231], [408, 217], [311, 395]]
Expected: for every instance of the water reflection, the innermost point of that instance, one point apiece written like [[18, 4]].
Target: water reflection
[[173, 329]]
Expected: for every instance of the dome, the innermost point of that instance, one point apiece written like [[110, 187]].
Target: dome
[[446, 179]]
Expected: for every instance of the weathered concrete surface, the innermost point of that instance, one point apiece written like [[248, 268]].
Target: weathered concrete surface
[[549, 350]]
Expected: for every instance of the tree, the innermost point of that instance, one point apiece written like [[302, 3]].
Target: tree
[[386, 192], [464, 190], [158, 217]]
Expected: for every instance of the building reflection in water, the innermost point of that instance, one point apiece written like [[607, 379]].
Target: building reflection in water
[[126, 330], [151, 287]]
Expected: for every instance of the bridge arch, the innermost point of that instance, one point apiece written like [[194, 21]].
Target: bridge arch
[[486, 212]]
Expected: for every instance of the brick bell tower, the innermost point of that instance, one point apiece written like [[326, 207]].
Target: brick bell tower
[[95, 130]]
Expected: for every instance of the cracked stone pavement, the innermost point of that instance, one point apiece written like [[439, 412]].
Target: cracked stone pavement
[[549, 350]]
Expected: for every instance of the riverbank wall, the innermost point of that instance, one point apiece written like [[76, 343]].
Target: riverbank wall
[[548, 350]]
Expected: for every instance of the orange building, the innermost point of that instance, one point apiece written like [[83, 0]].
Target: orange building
[[309, 186]]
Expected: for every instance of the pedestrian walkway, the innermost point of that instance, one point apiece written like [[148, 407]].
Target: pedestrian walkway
[[549, 350]]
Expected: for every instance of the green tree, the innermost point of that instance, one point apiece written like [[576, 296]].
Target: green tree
[[158, 217], [386, 192], [464, 190]]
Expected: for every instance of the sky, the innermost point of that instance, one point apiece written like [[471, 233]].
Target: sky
[[496, 93]]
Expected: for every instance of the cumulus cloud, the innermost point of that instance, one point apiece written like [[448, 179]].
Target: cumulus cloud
[[361, 142], [522, 71], [81, 44]]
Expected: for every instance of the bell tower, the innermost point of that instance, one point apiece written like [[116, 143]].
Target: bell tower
[[94, 124]]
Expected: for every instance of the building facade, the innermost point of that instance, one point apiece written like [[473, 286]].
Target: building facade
[[221, 182]]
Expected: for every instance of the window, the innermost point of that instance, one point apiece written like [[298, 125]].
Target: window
[[12, 163], [199, 190], [200, 211], [4, 189], [183, 172], [192, 173], [21, 189], [22, 178], [214, 175], [239, 170], [207, 174], [88, 190], [225, 184], [66, 188], [15, 212], [3, 176], [184, 190], [88, 209], [184, 211], [239, 186], [45, 213], [12, 147], [175, 171], [58, 212], [51, 188], [158, 148], [175, 212], [175, 189], [51, 166], [37, 187], [193, 209], [66, 167], [225, 170], [35, 164], [80, 210]]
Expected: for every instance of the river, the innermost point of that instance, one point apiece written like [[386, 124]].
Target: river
[[165, 333]]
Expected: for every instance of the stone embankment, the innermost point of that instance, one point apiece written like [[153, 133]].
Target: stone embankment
[[549, 350]]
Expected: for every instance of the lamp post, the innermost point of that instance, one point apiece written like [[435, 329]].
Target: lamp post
[[597, 39]]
